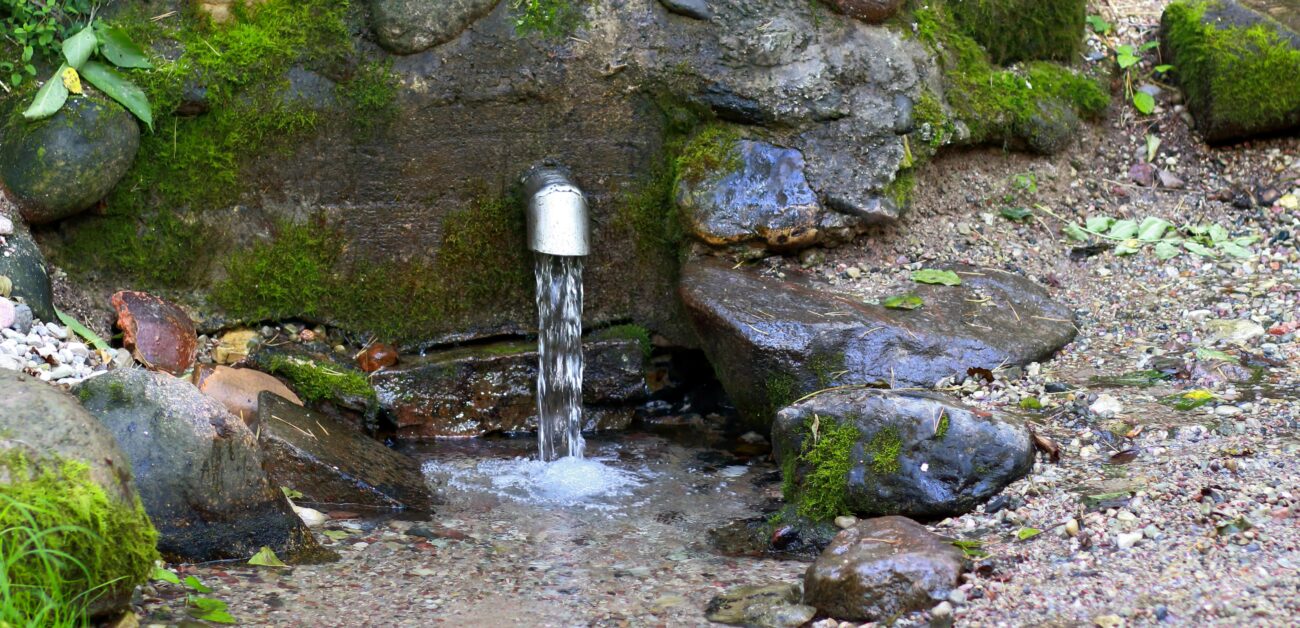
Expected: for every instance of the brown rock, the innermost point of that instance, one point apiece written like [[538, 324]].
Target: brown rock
[[234, 346], [869, 11], [378, 355], [160, 335], [237, 389], [882, 568]]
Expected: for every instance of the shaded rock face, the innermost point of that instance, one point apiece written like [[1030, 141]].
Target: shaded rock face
[[697, 9], [159, 334], [198, 468], [872, 11], [910, 453], [1228, 55], [773, 341], [410, 26], [480, 390], [333, 465], [882, 568], [770, 606], [65, 163], [766, 200], [22, 262]]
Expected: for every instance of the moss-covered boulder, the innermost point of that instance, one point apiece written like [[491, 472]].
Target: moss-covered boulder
[[198, 468], [1236, 66], [67, 486], [63, 164], [870, 453], [410, 26], [1024, 30]]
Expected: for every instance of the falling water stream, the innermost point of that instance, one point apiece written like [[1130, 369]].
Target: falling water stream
[[559, 380]]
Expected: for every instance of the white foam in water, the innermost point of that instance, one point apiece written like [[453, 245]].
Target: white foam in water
[[581, 482]]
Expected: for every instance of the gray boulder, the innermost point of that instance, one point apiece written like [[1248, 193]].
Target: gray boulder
[[332, 464], [410, 26], [772, 341], [764, 198], [1230, 58], [492, 388], [63, 164], [198, 468], [43, 428], [22, 262], [882, 568], [697, 9], [873, 452]]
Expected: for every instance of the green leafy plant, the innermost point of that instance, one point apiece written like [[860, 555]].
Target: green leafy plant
[[115, 47], [1128, 58], [548, 18], [1166, 241], [266, 557], [1099, 24], [903, 302], [34, 30], [932, 276]]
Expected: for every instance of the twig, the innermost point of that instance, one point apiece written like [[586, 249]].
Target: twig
[[309, 434]]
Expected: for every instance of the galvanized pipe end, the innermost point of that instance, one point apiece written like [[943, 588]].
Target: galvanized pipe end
[[557, 214]]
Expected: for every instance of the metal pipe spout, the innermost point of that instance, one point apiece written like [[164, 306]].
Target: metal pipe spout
[[557, 214]]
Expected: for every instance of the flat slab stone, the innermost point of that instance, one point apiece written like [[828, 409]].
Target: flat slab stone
[[492, 388], [332, 464], [773, 341]]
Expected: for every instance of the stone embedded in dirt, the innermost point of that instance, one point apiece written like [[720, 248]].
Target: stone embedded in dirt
[[332, 464], [198, 469], [8, 313], [697, 9], [410, 26], [1170, 180], [761, 606], [44, 424], [1231, 58], [869, 11], [875, 452], [377, 356], [765, 200], [160, 335], [234, 346], [492, 388], [773, 341], [237, 389], [62, 165], [1143, 174], [882, 568], [24, 264]]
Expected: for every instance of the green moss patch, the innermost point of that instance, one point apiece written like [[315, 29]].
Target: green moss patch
[[884, 449], [301, 272], [997, 104], [1232, 75], [1024, 30], [827, 457], [712, 153], [315, 381], [64, 543]]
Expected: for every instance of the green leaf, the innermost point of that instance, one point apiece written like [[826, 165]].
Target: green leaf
[[1149, 45], [1189, 400], [119, 89], [1164, 67], [1214, 354], [50, 97], [117, 47], [218, 617], [336, 535], [1031, 403], [932, 276], [1167, 250], [1218, 233], [207, 604], [1235, 250], [265, 557], [1027, 533], [1126, 60], [1123, 229], [1099, 24], [1199, 249], [1128, 247], [1016, 213], [903, 302], [194, 583], [972, 549], [1153, 229], [165, 575], [83, 331], [78, 48], [1246, 241], [1075, 233], [1153, 146], [28, 51], [291, 493], [1145, 103], [1099, 224]]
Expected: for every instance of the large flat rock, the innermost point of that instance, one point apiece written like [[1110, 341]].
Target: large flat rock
[[773, 341]]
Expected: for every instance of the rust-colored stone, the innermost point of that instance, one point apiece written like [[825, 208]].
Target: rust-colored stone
[[376, 356], [160, 335], [237, 389]]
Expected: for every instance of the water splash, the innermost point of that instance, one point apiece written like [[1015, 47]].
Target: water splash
[[559, 379], [591, 484]]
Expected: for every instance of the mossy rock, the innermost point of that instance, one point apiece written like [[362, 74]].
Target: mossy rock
[[1024, 30], [62, 474], [1236, 67], [63, 164]]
